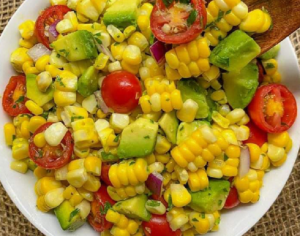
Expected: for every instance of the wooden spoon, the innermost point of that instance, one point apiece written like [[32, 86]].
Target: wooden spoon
[[286, 19]]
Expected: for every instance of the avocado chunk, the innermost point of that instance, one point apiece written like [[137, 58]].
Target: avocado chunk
[[272, 53], [88, 82], [235, 51], [240, 86], [122, 13], [76, 46], [68, 216], [134, 208], [185, 130], [169, 124], [138, 139], [212, 198], [33, 92], [190, 89]]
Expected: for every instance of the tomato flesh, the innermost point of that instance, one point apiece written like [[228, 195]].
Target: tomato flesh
[[97, 216], [48, 17], [49, 157], [257, 135], [233, 197], [104, 173], [158, 225], [14, 99], [121, 91], [273, 108], [176, 20]]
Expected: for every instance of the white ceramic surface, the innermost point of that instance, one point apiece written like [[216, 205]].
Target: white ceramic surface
[[21, 187]]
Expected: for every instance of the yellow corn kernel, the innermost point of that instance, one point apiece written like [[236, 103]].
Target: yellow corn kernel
[[145, 104], [233, 151], [117, 35], [212, 74], [129, 31], [139, 40], [93, 165], [69, 192], [188, 112], [40, 172], [255, 151], [19, 166], [280, 139], [27, 29], [20, 148], [101, 61], [28, 43], [275, 153], [172, 59], [35, 122], [46, 184], [34, 108], [92, 184], [117, 50], [42, 62], [133, 69], [254, 21], [18, 58], [198, 180], [180, 196], [76, 199], [9, 133], [54, 71], [132, 55], [39, 140]]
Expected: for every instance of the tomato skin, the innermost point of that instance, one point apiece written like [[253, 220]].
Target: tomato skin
[[158, 225], [274, 124], [49, 16], [104, 173], [49, 159], [261, 71], [16, 84], [188, 35], [121, 91], [257, 135], [96, 219], [233, 197]]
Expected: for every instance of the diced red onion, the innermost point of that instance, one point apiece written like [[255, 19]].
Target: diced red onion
[[101, 102], [158, 51], [38, 51], [244, 162], [53, 34], [155, 183]]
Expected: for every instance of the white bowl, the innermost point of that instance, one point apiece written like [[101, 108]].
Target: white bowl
[[21, 187]]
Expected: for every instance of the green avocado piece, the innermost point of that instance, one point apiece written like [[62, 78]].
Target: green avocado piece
[[34, 94], [235, 51], [240, 86], [107, 156], [138, 139], [68, 216], [134, 208], [190, 89], [122, 13], [169, 124], [212, 198], [76, 46], [272, 53], [88, 82], [185, 130]]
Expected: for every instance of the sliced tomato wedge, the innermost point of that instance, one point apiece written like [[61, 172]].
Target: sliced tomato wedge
[[233, 197], [273, 108], [100, 205], [47, 18], [14, 99], [104, 173], [49, 157], [178, 23], [257, 135], [158, 225]]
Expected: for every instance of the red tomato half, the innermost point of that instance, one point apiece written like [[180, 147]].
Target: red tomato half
[[257, 135], [273, 108], [158, 225], [100, 206], [47, 18], [104, 173], [13, 101], [233, 197], [49, 157], [176, 25], [121, 91]]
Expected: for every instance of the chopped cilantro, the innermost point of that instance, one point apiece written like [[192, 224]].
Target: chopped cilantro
[[14, 137], [73, 118], [220, 202], [192, 17], [98, 40], [182, 128], [117, 138], [153, 203], [195, 220], [73, 214], [20, 99], [132, 163], [147, 137], [270, 66], [203, 215], [65, 52], [228, 12], [58, 79], [170, 203], [225, 157], [105, 208]]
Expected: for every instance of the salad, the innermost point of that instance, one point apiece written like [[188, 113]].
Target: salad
[[146, 118]]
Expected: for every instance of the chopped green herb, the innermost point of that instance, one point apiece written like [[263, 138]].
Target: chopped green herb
[[218, 221], [195, 220], [116, 44], [182, 128], [45, 114], [98, 34], [203, 215], [132, 163], [147, 137], [270, 66], [192, 17], [14, 137], [105, 208], [73, 118], [220, 16], [170, 203], [220, 202], [117, 138], [98, 40], [228, 12], [65, 52], [57, 55], [225, 190], [225, 157], [152, 121], [20, 99], [153, 203], [73, 214], [59, 80]]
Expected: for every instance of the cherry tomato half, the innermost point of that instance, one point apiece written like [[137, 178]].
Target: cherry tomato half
[[99, 206], [158, 225], [47, 18], [233, 197], [121, 91], [273, 108], [13, 101], [257, 135], [49, 157], [104, 173], [177, 25]]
